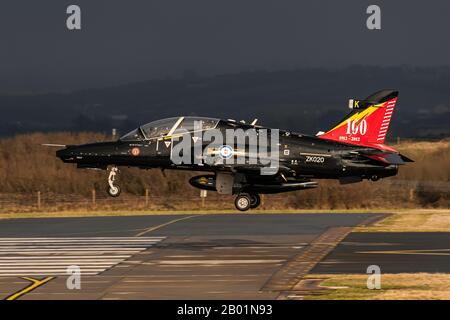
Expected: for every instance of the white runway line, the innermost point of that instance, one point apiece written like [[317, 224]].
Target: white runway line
[[9, 251], [78, 246], [84, 257], [52, 256], [217, 262], [83, 238], [71, 241], [52, 264]]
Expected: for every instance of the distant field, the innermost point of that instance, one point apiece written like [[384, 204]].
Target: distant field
[[27, 168]]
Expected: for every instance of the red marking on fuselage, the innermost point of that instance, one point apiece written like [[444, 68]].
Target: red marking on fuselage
[[135, 151]]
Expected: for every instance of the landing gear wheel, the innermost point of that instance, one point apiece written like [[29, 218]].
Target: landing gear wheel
[[255, 200], [114, 191], [242, 202]]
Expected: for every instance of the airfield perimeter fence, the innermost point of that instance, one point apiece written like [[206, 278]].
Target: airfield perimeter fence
[[395, 194], [45, 201]]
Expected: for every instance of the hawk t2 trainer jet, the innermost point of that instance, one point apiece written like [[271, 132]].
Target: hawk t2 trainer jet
[[247, 160]]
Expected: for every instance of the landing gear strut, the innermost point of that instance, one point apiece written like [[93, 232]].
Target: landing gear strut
[[113, 190], [245, 201]]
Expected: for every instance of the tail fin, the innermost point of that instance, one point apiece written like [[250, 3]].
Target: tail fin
[[368, 122]]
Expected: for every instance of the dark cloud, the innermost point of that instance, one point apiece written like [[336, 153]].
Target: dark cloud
[[126, 41]]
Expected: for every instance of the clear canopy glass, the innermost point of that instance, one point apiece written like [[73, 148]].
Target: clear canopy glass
[[134, 135], [161, 128]]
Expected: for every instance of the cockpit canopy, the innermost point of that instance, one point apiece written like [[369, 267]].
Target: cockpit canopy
[[170, 126]]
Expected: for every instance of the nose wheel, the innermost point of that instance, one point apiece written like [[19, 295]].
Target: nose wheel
[[113, 189], [246, 201]]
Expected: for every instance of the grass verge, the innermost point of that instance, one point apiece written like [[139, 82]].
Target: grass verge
[[398, 219], [412, 221], [98, 213], [403, 286]]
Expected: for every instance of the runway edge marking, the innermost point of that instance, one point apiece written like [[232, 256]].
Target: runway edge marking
[[286, 278], [35, 283]]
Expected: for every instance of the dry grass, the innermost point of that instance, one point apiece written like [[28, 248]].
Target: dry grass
[[89, 211], [428, 146], [27, 167], [412, 221], [403, 286], [432, 160]]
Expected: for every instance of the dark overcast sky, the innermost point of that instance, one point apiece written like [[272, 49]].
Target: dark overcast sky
[[133, 40]]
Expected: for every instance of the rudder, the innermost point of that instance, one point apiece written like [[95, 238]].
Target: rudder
[[368, 122]]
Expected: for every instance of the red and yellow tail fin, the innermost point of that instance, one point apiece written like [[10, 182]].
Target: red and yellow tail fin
[[368, 122]]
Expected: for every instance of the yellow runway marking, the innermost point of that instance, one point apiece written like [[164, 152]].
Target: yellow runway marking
[[35, 283], [164, 224]]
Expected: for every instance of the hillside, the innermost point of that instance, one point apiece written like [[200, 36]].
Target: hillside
[[303, 100]]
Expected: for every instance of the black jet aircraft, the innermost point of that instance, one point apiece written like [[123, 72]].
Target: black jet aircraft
[[350, 151]]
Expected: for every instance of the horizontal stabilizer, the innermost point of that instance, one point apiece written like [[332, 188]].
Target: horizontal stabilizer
[[388, 158], [406, 159]]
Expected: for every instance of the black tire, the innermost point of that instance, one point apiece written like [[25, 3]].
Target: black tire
[[255, 200], [114, 192], [242, 202]]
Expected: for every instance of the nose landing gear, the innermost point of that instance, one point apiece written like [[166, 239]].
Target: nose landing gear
[[112, 189], [246, 201]]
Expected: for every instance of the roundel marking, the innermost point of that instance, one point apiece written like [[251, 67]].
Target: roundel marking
[[225, 152], [135, 151]]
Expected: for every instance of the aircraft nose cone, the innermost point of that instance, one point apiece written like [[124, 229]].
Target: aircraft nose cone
[[64, 154], [61, 153]]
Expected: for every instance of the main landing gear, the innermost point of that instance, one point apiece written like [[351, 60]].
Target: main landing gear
[[246, 201], [112, 189]]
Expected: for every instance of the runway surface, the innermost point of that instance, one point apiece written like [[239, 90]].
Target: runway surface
[[213, 256], [393, 252]]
